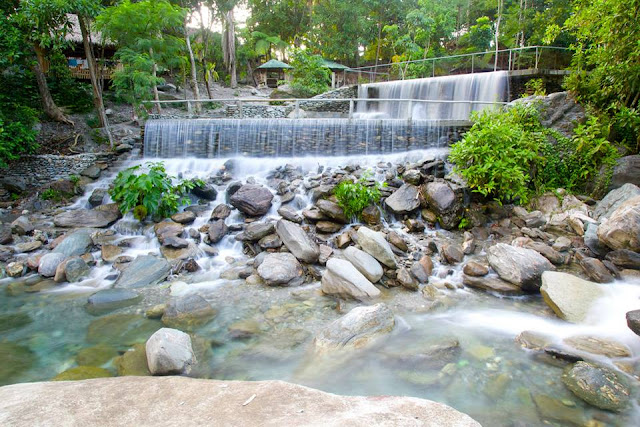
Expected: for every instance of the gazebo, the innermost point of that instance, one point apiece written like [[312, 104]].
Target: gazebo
[[337, 72], [271, 72]]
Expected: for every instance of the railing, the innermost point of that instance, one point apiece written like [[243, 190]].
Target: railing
[[298, 102], [531, 57]]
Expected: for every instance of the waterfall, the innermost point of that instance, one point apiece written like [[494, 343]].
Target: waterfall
[[488, 87], [212, 138]]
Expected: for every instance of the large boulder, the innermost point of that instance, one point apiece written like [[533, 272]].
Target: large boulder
[[108, 300], [281, 269], [75, 244], [558, 111], [297, 241], [597, 385], [627, 170], [92, 218], [342, 278], [252, 200], [440, 197], [374, 243], [257, 230], [75, 269], [5, 234], [217, 230], [206, 192], [332, 210], [169, 352], [520, 266], [145, 270], [633, 321], [613, 200], [188, 312], [569, 297], [622, 229], [181, 402], [49, 263], [404, 200], [22, 225], [364, 263], [356, 329]]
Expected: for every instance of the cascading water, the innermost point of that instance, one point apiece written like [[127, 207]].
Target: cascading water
[[482, 89]]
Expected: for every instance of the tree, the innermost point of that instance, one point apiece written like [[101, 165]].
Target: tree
[[310, 76], [225, 12]]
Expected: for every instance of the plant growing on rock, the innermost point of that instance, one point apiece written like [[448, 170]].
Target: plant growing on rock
[[353, 197], [152, 193]]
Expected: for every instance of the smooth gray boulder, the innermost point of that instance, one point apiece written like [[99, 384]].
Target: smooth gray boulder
[[281, 269], [332, 210], [252, 200], [217, 230], [342, 278], [364, 263], [75, 244], [613, 200], [627, 170], [108, 300], [5, 234], [169, 352], [86, 218], [145, 270], [75, 269], [297, 241], [188, 312], [404, 200], [356, 329], [22, 225], [520, 266], [444, 201], [597, 385], [570, 297], [621, 230], [49, 263], [257, 230], [374, 243]]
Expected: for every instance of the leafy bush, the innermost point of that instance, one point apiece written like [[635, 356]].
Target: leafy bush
[[353, 197], [535, 87], [54, 195], [310, 77], [152, 193], [17, 133], [66, 91]]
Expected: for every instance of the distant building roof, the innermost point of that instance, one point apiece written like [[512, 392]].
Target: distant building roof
[[334, 66], [274, 64], [74, 34]]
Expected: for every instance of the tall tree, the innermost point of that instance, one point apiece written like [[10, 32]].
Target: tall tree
[[225, 12]]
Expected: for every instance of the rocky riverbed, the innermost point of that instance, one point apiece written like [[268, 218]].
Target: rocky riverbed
[[517, 318]]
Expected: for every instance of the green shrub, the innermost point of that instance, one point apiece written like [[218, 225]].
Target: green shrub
[[535, 87], [310, 76], [353, 197], [52, 194], [17, 135], [152, 193]]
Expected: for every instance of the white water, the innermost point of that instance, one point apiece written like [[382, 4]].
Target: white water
[[478, 88]]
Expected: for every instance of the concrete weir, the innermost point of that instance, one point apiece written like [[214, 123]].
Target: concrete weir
[[179, 401]]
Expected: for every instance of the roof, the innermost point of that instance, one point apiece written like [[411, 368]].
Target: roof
[[274, 64], [332, 65], [74, 34]]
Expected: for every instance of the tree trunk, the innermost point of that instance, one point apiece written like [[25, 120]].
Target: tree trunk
[[154, 71], [194, 77], [205, 44], [48, 104], [229, 46], [495, 64], [375, 70], [97, 93]]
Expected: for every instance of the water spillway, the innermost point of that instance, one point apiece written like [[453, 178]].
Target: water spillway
[[457, 96], [217, 138]]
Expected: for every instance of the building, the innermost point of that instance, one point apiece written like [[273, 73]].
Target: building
[[271, 72]]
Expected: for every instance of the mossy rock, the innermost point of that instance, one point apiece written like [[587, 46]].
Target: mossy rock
[[82, 373], [97, 355], [121, 329], [133, 362], [14, 360], [14, 321]]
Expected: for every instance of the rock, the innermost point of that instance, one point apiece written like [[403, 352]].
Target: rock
[[422, 269], [22, 225], [15, 320], [257, 230], [111, 299], [592, 242], [185, 217], [595, 345], [110, 253], [343, 240], [555, 410], [145, 270], [371, 215], [133, 362], [562, 244], [176, 254], [49, 263], [5, 234], [217, 230], [156, 311], [342, 278], [597, 385], [404, 200], [252, 200], [520, 266], [396, 240], [633, 321], [491, 284], [75, 269], [206, 192], [221, 211], [290, 214], [281, 269], [627, 170], [325, 254], [364, 263], [625, 258], [26, 247], [356, 329], [82, 373], [167, 229], [475, 269], [546, 251], [15, 269], [96, 355], [443, 200], [596, 270], [452, 253], [188, 312], [533, 340], [613, 200], [622, 229], [169, 352], [569, 297], [272, 241], [412, 176], [180, 401], [120, 329], [328, 227], [123, 148], [297, 241], [332, 210], [406, 280], [85, 218], [374, 243], [92, 172], [75, 244], [15, 360]]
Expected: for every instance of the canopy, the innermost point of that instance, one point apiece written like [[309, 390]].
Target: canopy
[[274, 64], [334, 66]]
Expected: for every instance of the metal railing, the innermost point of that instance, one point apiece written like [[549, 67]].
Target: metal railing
[[298, 102], [530, 57]]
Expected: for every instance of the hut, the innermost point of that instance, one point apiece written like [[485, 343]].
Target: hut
[[337, 73], [271, 72]]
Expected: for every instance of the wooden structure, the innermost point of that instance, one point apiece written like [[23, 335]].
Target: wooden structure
[[337, 73], [271, 72]]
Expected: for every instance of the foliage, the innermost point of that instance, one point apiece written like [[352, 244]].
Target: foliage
[[535, 87], [53, 195], [481, 34], [310, 77], [67, 91], [17, 133], [151, 193], [134, 82], [353, 197]]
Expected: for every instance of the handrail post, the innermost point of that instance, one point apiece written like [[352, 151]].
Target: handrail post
[[297, 108], [510, 52], [410, 105], [537, 58], [240, 113], [189, 108], [472, 64], [433, 67], [351, 108]]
